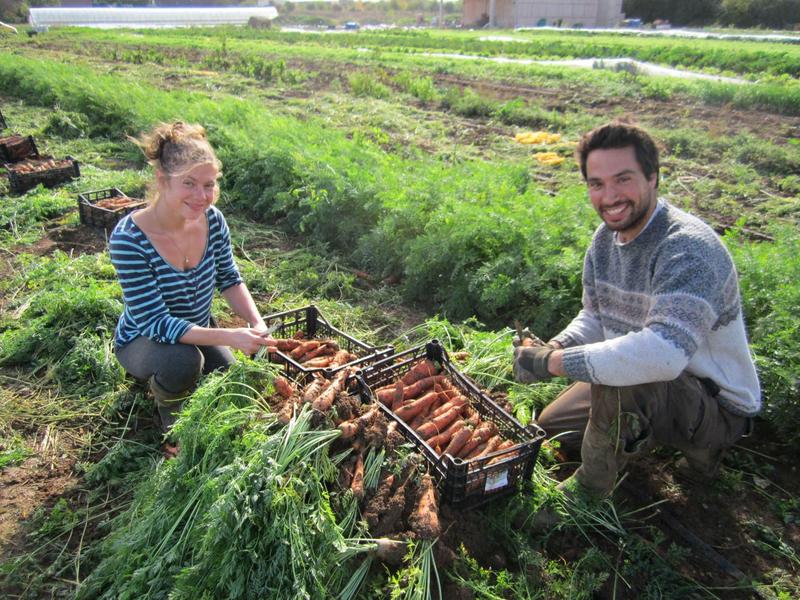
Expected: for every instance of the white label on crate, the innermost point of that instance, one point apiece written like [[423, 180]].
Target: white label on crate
[[495, 481]]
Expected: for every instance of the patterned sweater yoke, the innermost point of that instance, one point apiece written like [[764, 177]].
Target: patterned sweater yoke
[[666, 302]]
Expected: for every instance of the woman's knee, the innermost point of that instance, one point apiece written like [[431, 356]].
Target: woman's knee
[[181, 370]]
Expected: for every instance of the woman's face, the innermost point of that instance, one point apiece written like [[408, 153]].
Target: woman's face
[[191, 193]]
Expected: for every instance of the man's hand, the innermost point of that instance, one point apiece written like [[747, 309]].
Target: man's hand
[[530, 363], [525, 337]]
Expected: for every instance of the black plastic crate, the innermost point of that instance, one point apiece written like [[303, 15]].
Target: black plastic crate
[[62, 171], [14, 148], [98, 216], [313, 325], [465, 483]]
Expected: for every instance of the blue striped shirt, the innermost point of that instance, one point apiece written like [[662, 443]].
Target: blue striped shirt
[[162, 302]]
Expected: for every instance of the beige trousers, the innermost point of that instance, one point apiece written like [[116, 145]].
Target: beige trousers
[[611, 425]]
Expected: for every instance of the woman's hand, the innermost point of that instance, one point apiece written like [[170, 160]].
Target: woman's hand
[[248, 340]]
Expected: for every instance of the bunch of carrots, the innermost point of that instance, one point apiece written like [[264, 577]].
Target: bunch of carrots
[[441, 415], [118, 202], [35, 166], [320, 393], [312, 354]]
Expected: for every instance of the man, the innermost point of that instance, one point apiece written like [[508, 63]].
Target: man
[[659, 351]]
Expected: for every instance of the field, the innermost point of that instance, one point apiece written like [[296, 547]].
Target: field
[[378, 177]]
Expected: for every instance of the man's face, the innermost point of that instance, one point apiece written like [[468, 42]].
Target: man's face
[[620, 193]]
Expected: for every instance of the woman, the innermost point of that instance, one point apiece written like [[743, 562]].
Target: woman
[[169, 257]]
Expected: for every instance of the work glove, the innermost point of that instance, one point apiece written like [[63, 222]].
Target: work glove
[[530, 363], [525, 337]]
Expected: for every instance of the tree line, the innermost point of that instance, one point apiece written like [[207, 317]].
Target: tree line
[[774, 14]]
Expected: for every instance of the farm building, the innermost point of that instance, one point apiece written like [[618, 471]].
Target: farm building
[[538, 13], [104, 17]]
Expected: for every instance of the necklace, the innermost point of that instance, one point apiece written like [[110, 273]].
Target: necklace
[[181, 250]]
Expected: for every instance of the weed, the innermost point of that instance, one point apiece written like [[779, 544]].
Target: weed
[[364, 84]]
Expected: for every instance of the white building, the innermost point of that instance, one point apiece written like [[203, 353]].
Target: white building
[[145, 17], [538, 13]]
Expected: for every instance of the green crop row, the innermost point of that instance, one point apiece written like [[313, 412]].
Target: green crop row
[[736, 56], [255, 53]]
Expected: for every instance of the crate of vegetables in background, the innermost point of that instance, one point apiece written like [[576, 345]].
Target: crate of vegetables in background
[[104, 208], [306, 343], [476, 449], [15, 147], [48, 171]]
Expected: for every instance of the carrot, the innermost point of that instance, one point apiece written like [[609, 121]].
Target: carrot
[[315, 388], [342, 357], [491, 446], [397, 396], [419, 371], [274, 344], [425, 414], [357, 485], [473, 416], [504, 446], [411, 409], [457, 442], [441, 440], [319, 362], [303, 348], [480, 436], [283, 387], [457, 402], [477, 450], [423, 385], [323, 348], [351, 428], [440, 423], [326, 398], [376, 505], [385, 395], [424, 521]]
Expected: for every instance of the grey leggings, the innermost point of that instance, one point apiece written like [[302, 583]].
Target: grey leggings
[[175, 367]]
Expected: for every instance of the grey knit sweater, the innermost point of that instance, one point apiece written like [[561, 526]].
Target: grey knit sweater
[[665, 302]]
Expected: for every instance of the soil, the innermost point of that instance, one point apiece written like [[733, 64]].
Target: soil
[[35, 483]]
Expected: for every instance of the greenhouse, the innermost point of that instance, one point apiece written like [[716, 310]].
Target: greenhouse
[[43, 18]]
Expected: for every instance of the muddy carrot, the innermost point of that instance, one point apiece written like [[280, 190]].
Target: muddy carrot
[[357, 485], [351, 428], [342, 357], [326, 398], [283, 387], [440, 423], [425, 518], [411, 409], [315, 388]]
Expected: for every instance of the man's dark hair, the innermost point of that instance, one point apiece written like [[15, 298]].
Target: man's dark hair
[[619, 134]]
